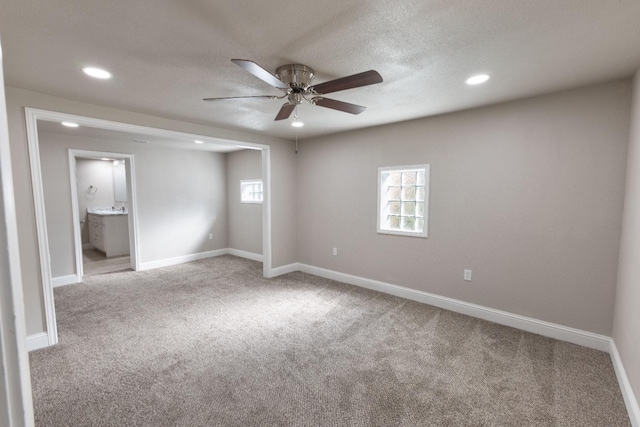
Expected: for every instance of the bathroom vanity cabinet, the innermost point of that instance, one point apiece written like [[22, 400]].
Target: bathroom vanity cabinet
[[109, 233]]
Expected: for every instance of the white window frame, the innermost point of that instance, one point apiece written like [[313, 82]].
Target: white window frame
[[245, 182], [383, 201]]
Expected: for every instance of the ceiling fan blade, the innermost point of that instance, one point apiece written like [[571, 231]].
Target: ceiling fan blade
[[285, 111], [356, 80], [259, 72], [339, 105], [241, 97]]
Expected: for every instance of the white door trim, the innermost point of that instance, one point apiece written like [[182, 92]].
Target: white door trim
[[32, 115], [266, 214], [132, 204]]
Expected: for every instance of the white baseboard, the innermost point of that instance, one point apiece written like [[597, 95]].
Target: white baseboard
[[625, 386], [547, 329], [284, 269], [245, 254], [65, 280], [37, 341], [182, 259]]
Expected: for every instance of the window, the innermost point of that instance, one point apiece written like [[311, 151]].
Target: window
[[251, 191], [403, 200]]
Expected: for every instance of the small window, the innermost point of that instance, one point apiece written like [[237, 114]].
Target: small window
[[403, 200], [251, 191]]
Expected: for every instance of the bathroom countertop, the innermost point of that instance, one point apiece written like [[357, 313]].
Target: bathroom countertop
[[106, 211]]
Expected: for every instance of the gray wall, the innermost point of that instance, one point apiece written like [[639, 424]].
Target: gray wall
[[527, 194], [245, 219], [627, 313], [283, 183], [181, 198], [15, 386]]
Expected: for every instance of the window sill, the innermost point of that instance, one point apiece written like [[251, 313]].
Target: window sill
[[403, 233]]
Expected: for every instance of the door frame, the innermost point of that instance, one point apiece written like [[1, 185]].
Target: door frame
[[132, 204], [32, 115]]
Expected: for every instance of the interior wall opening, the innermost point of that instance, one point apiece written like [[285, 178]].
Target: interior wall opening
[[159, 167]]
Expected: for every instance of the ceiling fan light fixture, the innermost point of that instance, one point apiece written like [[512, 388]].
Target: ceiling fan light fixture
[[478, 79], [297, 123]]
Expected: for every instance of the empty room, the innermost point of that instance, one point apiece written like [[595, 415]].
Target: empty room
[[320, 214]]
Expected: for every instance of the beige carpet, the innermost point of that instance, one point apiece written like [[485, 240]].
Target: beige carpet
[[212, 343]]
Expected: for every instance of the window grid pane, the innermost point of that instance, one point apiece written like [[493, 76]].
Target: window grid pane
[[403, 197], [395, 193], [251, 192], [408, 193]]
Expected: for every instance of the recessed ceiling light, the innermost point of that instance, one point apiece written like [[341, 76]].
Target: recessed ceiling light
[[98, 73], [476, 80], [197, 141], [70, 124], [297, 124]]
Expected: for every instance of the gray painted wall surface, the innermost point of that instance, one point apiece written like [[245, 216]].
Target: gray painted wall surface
[[282, 163], [181, 198], [245, 219], [627, 313], [16, 407], [526, 194]]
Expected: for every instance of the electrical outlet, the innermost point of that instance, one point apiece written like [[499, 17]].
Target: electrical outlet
[[210, 236], [335, 251], [467, 275]]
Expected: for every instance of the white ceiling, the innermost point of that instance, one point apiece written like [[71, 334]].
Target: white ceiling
[[167, 55], [136, 138]]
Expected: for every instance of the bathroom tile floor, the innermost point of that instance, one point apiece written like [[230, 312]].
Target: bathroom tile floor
[[96, 262]]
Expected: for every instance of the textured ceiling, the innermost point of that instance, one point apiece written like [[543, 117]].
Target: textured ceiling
[[139, 138], [167, 55]]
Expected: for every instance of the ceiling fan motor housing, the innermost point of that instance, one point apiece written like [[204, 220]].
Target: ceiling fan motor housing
[[297, 76]]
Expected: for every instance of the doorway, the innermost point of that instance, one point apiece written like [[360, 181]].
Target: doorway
[[102, 196], [136, 135]]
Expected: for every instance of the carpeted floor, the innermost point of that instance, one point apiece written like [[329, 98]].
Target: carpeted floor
[[212, 343]]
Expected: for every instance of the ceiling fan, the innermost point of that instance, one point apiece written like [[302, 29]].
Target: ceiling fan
[[295, 81]]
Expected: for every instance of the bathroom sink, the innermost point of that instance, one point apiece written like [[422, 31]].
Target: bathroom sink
[[107, 211]]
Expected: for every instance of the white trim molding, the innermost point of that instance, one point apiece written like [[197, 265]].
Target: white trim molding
[[66, 280], [540, 327], [245, 254], [37, 341], [286, 269], [625, 386], [31, 117], [182, 259], [266, 212]]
